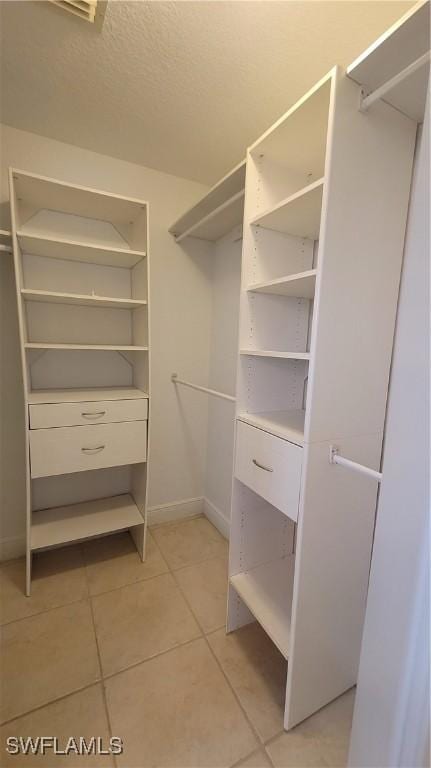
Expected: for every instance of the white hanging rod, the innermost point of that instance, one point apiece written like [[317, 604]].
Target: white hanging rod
[[334, 458], [383, 89], [176, 380]]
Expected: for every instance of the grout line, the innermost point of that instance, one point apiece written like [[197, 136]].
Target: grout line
[[151, 658], [251, 725], [51, 701], [100, 665]]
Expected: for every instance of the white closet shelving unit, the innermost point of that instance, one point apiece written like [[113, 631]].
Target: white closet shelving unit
[[327, 190], [82, 276], [217, 213]]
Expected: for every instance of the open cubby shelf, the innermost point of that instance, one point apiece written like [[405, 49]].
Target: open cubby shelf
[[289, 425], [298, 215], [300, 285], [85, 395], [106, 347], [276, 353], [55, 247]]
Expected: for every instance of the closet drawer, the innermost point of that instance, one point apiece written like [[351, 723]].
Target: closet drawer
[[269, 466], [45, 415], [76, 449]]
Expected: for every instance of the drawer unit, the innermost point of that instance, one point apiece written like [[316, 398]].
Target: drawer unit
[[76, 449], [45, 415], [269, 466]]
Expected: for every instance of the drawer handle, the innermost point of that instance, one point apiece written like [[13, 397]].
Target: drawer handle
[[261, 466], [93, 450], [92, 414]]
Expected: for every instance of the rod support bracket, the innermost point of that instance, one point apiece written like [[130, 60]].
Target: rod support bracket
[[174, 378], [333, 451]]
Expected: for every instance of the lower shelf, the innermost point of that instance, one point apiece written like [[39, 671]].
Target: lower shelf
[[79, 521], [289, 425], [267, 592]]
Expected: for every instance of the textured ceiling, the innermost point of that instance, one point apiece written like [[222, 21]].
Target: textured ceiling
[[183, 87]]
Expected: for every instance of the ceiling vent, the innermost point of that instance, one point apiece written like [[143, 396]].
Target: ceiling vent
[[89, 10]]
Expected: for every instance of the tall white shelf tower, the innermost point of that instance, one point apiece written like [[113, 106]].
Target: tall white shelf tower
[[327, 190], [82, 276]]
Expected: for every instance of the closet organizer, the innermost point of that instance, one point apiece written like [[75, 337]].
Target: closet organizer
[[326, 197], [82, 271]]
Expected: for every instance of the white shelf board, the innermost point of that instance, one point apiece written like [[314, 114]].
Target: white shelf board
[[301, 285], [72, 250], [289, 425], [402, 44], [298, 215], [219, 222], [86, 300], [275, 353], [225, 189], [267, 591], [79, 521], [108, 347], [41, 192], [297, 141], [85, 395]]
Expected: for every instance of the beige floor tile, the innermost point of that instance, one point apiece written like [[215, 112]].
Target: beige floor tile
[[257, 760], [113, 561], [58, 578], [257, 672], [205, 587], [141, 620], [189, 541], [321, 740], [177, 710], [80, 715], [47, 656]]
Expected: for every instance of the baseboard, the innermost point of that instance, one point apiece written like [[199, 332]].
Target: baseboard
[[216, 517], [12, 547], [177, 510]]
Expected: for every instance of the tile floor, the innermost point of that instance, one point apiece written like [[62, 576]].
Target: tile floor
[[107, 645]]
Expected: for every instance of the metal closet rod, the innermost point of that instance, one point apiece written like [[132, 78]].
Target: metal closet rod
[[213, 392], [335, 458]]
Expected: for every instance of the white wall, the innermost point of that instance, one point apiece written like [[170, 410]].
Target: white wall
[[180, 319], [391, 719], [226, 277]]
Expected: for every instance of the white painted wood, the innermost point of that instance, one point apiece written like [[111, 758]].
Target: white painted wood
[[392, 708], [63, 276], [108, 347], [62, 525], [79, 449], [219, 222], [274, 255], [80, 299], [276, 353], [301, 285], [269, 466], [297, 215], [392, 52], [62, 248], [229, 186], [289, 425], [47, 415], [85, 395], [267, 592]]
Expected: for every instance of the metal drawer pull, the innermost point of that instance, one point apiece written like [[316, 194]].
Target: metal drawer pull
[[92, 414], [261, 466], [93, 450]]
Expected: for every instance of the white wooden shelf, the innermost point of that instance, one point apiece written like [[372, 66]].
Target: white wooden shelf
[[297, 215], [267, 592], [219, 222], [78, 521], [108, 347], [55, 247], [289, 425], [401, 45], [217, 212], [80, 299], [275, 353], [301, 285], [85, 395]]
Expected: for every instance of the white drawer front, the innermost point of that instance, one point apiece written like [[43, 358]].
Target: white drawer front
[[75, 449], [269, 466], [45, 415]]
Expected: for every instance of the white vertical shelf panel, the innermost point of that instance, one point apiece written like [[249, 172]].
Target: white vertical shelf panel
[[360, 258]]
